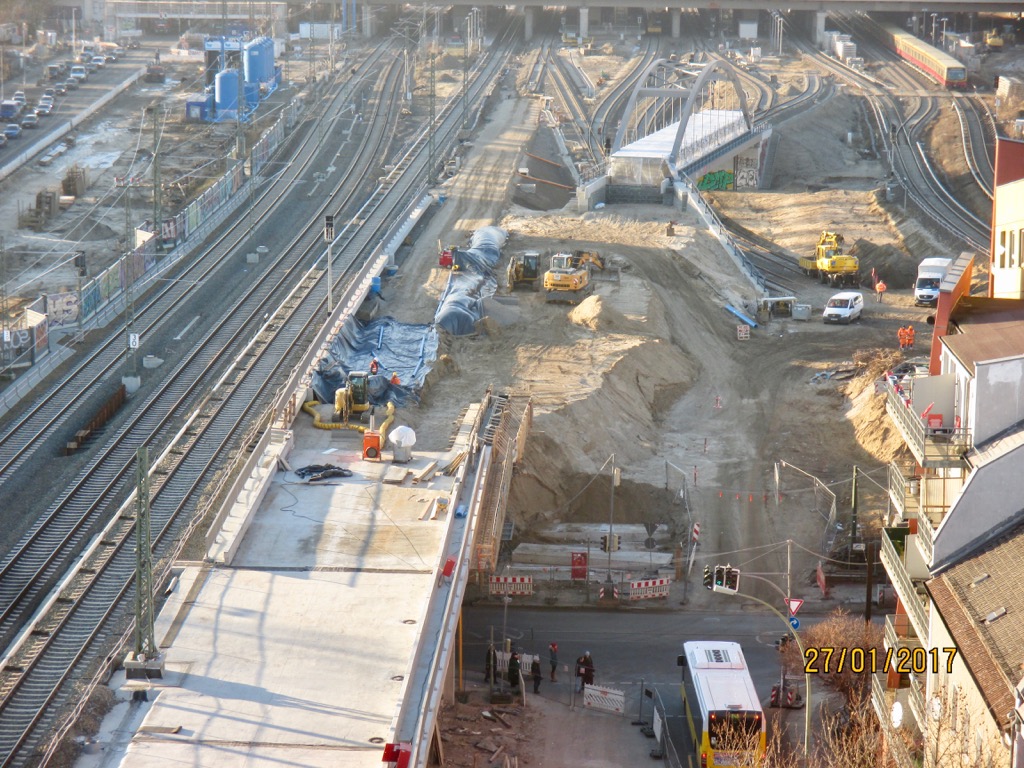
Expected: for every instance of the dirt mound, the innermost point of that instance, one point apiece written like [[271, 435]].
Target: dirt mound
[[622, 415], [595, 314], [874, 431]]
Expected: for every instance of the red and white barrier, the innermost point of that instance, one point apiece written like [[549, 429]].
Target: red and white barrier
[[649, 588], [511, 585]]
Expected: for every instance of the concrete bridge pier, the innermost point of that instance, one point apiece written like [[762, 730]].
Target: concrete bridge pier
[[677, 16], [819, 29], [367, 21], [584, 22], [528, 23]]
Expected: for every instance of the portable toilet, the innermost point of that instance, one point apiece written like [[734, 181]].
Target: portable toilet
[[252, 61]]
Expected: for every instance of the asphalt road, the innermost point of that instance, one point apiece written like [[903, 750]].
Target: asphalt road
[[627, 648]]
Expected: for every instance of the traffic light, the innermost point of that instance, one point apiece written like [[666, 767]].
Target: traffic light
[[719, 576], [732, 580], [604, 542], [613, 542], [708, 577]]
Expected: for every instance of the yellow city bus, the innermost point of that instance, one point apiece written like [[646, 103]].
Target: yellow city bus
[[726, 721]]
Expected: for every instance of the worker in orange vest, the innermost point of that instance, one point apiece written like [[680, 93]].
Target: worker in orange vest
[[910, 337], [901, 334], [395, 381], [374, 367], [880, 288]]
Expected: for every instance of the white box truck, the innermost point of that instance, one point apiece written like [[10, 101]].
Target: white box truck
[[929, 277]]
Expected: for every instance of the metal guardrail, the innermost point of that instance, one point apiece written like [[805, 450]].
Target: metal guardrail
[[882, 700], [897, 632], [897, 571], [902, 489]]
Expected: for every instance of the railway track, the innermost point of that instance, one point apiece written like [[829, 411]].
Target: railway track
[[42, 557], [88, 618]]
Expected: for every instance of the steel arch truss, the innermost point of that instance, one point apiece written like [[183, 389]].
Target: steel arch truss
[[671, 92]]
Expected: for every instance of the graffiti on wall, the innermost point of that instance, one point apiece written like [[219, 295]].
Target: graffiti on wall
[[716, 181], [62, 308], [747, 176]]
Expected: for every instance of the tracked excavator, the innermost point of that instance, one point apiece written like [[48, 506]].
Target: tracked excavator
[[524, 271], [569, 277], [353, 399]]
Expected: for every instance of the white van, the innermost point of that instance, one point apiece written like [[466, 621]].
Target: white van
[[844, 307], [79, 73]]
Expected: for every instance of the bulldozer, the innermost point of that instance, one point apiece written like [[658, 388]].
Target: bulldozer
[[353, 398], [829, 264], [569, 277], [524, 270]]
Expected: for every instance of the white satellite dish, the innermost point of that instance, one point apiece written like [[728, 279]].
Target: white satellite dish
[[896, 715]]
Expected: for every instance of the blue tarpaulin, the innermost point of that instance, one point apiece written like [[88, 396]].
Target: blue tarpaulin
[[402, 348], [473, 281]]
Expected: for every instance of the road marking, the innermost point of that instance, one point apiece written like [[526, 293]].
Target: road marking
[[185, 329]]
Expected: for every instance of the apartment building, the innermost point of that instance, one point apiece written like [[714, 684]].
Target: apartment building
[[954, 545]]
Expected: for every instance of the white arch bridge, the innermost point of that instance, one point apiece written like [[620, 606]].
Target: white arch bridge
[[688, 119]]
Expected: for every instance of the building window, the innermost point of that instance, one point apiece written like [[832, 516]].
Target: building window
[[1001, 249]]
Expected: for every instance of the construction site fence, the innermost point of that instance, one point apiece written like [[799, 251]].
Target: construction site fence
[[96, 301]]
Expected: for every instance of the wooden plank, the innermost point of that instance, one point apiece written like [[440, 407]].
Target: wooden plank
[[426, 473], [396, 475]]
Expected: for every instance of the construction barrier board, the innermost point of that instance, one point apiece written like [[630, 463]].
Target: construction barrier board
[[606, 699], [647, 589], [511, 585]]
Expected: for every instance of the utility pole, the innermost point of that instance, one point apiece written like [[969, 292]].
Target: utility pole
[[329, 237], [5, 323], [611, 516], [158, 213], [853, 516], [431, 149], [130, 378], [465, 80], [145, 645]]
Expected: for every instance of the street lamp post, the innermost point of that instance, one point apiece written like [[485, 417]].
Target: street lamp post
[[935, 18], [944, 22]]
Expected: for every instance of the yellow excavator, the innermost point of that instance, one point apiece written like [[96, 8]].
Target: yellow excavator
[[569, 279], [524, 270], [829, 264], [353, 398]]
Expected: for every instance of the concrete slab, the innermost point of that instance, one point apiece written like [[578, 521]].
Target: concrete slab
[[286, 656]]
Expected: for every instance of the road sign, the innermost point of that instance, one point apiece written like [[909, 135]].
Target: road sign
[[794, 604], [794, 622]]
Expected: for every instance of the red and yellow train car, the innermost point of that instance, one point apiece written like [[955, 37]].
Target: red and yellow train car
[[939, 64]]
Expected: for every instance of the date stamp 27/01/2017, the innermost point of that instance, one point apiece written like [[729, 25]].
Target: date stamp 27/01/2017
[[920, 661]]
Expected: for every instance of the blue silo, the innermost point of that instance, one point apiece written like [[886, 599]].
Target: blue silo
[[252, 95], [252, 64], [268, 60], [226, 91]]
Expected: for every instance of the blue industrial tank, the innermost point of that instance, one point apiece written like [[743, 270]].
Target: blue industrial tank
[[252, 95], [226, 90], [252, 61], [268, 60]]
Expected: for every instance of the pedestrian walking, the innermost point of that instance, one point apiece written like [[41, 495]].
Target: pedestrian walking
[[513, 671], [536, 674], [910, 337], [901, 334], [880, 289], [585, 670], [553, 659]]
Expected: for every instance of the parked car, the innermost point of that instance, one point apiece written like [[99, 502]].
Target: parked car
[[844, 307], [43, 110], [12, 131], [30, 121], [61, 89]]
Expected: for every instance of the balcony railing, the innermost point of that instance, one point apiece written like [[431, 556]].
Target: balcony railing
[[903, 489], [882, 700], [897, 570], [916, 699], [899, 632], [925, 537], [932, 446]]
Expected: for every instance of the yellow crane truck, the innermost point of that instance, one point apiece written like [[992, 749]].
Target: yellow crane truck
[[829, 264]]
